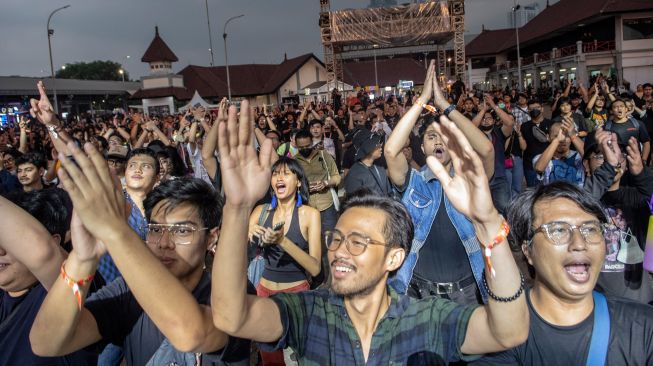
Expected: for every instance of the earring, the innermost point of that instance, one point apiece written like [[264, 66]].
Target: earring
[[274, 202], [299, 200]]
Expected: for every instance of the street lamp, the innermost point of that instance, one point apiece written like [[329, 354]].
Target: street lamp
[[514, 17], [208, 23], [50, 34], [122, 73], [448, 71], [376, 75], [226, 58]]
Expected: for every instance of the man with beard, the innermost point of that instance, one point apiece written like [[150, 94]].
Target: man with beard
[[361, 320], [560, 229], [445, 259]]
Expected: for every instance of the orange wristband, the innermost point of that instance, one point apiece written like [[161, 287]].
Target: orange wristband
[[487, 251], [75, 285], [429, 108]]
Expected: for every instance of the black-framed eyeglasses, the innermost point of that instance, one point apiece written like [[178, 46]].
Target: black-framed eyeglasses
[[356, 243], [560, 233], [180, 234]]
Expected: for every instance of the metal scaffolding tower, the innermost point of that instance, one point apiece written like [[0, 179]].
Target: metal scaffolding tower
[[426, 25], [332, 59]]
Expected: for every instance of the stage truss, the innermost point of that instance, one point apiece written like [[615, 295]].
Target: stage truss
[[429, 25]]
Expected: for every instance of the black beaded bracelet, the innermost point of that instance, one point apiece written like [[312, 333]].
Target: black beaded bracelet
[[504, 299]]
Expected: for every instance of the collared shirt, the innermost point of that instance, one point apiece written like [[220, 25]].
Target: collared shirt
[[315, 169], [416, 332]]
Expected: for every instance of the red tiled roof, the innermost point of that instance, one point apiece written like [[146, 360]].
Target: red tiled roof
[[552, 20], [490, 42], [251, 79], [389, 71], [158, 50], [177, 92]]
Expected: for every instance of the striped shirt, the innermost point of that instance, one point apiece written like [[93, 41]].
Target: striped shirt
[[412, 332]]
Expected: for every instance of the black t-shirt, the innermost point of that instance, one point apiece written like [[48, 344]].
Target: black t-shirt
[[443, 257], [499, 142], [121, 321], [631, 339], [534, 146], [15, 348], [628, 129]]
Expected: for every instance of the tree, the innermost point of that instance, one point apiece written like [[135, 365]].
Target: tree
[[96, 70]]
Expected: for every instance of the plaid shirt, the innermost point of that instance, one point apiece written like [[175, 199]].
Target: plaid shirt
[[137, 222], [412, 332]]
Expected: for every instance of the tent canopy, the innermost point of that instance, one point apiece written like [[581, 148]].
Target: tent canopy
[[197, 101]]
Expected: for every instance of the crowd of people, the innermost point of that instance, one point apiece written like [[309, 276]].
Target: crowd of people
[[428, 228]]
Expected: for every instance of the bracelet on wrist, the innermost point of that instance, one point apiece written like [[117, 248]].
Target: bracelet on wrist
[[429, 108], [449, 109], [487, 251], [75, 285], [512, 298]]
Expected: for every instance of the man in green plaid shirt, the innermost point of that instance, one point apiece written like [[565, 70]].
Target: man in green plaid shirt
[[360, 320]]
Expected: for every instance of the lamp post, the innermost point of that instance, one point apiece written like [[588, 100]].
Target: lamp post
[[122, 73], [208, 23], [226, 58], [448, 71], [376, 75], [50, 34], [514, 17]]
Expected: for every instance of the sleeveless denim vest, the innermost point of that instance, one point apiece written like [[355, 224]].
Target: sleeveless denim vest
[[422, 197]]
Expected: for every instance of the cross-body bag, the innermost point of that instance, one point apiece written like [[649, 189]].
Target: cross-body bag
[[257, 264], [334, 193], [600, 332]]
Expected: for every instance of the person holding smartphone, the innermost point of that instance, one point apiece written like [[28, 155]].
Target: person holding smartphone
[[290, 234]]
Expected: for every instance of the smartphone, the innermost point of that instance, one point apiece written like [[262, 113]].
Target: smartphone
[[278, 225]]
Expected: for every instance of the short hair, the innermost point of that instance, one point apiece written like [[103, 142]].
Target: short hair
[[303, 134], [398, 229], [35, 158], [194, 191], [521, 212], [14, 153], [427, 120], [622, 100], [647, 85], [563, 100], [148, 152], [274, 132], [51, 207], [315, 121], [295, 168]]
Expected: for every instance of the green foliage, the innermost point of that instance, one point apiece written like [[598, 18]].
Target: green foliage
[[96, 70]]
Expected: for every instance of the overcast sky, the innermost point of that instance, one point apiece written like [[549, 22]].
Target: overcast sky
[[114, 29]]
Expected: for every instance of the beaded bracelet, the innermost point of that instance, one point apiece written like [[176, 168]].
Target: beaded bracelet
[[75, 285], [504, 299]]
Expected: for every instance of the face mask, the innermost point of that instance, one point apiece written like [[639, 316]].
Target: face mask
[[535, 113], [486, 128], [305, 152]]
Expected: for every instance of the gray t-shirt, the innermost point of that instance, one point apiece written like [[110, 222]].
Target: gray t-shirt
[[121, 321]]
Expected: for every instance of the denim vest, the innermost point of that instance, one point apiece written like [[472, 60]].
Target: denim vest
[[422, 197]]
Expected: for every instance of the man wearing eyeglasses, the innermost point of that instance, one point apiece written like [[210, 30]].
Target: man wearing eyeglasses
[[361, 319], [560, 229], [158, 310]]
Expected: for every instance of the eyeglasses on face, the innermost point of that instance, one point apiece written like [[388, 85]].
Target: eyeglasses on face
[[560, 233], [356, 243], [179, 234]]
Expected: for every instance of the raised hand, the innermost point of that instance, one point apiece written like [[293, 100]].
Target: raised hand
[[245, 176], [568, 126], [87, 247], [635, 163], [95, 193], [468, 190], [42, 109], [427, 91], [198, 113], [607, 142]]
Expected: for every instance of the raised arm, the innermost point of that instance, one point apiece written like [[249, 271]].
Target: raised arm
[[547, 155], [100, 204], [498, 325], [32, 245], [211, 141], [477, 139], [245, 176], [394, 146]]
